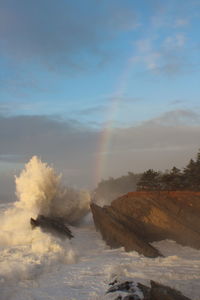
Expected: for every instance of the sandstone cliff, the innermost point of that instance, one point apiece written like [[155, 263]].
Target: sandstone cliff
[[138, 218]]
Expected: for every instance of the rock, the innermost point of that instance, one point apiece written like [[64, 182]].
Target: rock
[[139, 218], [145, 290], [138, 291], [128, 297], [53, 225], [129, 288], [159, 291], [126, 286], [131, 297], [164, 215], [117, 232]]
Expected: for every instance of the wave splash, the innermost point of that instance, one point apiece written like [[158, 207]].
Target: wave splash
[[40, 191], [25, 252]]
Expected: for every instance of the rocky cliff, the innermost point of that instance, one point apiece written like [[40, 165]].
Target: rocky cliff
[[138, 218]]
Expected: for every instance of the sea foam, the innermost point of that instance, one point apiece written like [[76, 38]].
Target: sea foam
[[26, 252]]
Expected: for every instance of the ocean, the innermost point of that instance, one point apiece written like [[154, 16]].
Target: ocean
[[35, 265]]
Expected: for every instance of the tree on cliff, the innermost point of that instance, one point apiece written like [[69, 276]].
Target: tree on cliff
[[172, 180], [175, 179], [192, 174], [150, 180]]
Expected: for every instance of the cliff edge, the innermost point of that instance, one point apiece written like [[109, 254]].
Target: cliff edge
[[136, 219]]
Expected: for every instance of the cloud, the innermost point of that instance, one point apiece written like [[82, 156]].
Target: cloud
[[93, 110], [167, 46], [4, 108], [58, 35], [76, 150], [175, 41], [9, 108], [105, 110], [28, 134], [53, 140], [179, 117], [163, 54], [41, 40], [170, 14], [161, 143], [173, 129]]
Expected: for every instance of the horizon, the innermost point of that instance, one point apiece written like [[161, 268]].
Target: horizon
[[98, 89]]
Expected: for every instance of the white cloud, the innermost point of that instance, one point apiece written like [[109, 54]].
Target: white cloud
[[174, 41], [162, 54], [150, 60]]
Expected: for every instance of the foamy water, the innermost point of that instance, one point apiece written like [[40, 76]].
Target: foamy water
[[87, 277], [26, 253], [38, 266]]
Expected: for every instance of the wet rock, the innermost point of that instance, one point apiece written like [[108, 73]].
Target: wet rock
[[126, 286], [159, 291], [129, 288], [139, 218], [128, 297], [138, 291], [52, 225]]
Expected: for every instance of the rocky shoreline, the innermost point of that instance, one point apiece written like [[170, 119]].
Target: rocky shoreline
[[130, 290], [136, 219]]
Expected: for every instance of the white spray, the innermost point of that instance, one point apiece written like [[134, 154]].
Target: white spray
[[39, 191], [36, 187]]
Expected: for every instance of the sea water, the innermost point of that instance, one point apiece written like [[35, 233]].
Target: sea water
[[38, 266]]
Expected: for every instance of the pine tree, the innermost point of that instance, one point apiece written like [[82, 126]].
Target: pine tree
[[192, 174], [150, 180], [173, 180]]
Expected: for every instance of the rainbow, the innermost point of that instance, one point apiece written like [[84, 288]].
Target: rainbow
[[105, 140], [104, 146]]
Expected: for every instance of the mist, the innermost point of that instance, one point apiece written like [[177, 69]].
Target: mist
[[75, 150], [39, 192]]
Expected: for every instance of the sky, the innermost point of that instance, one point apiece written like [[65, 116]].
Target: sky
[[98, 88]]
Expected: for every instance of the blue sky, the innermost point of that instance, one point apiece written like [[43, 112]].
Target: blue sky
[[72, 63]]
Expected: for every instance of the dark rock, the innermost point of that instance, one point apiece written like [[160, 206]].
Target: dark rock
[[113, 282], [118, 298], [131, 297], [145, 290], [53, 225], [128, 297], [139, 218], [157, 291], [126, 286], [129, 288]]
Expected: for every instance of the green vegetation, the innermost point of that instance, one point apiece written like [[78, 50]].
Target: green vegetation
[[175, 179], [150, 180]]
